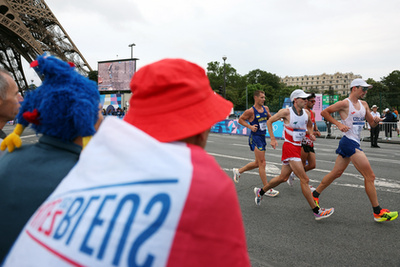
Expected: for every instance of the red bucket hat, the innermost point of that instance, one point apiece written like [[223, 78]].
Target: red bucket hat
[[172, 99]]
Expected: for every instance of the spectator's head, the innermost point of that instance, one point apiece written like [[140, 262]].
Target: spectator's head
[[172, 100], [374, 108], [65, 106], [9, 97], [386, 110]]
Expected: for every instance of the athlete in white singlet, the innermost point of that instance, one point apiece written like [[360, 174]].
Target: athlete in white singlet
[[353, 112]]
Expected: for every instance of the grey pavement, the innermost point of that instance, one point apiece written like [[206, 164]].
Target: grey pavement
[[282, 231]]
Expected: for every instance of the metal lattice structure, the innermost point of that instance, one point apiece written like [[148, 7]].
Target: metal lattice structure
[[28, 28]]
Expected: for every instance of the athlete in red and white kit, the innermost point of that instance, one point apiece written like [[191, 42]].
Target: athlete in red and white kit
[[307, 145], [297, 121]]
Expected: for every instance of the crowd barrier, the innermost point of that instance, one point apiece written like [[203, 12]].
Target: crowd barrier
[[386, 131]]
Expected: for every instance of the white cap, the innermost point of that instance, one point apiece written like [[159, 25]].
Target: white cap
[[386, 110], [374, 106], [359, 82], [298, 93]]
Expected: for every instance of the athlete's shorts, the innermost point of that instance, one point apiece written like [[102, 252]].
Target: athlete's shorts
[[347, 147], [257, 141], [290, 152], [308, 148]]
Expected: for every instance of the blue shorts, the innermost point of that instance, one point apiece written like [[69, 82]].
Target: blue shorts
[[347, 147], [257, 141]]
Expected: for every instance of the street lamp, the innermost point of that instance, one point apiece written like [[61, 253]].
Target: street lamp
[[224, 58], [131, 46]]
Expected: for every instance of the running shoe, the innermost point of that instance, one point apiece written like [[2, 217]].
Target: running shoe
[[236, 175], [312, 188], [258, 196], [323, 213], [385, 215], [272, 193], [291, 179]]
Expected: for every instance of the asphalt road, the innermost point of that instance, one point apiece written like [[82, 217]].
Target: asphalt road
[[282, 230]]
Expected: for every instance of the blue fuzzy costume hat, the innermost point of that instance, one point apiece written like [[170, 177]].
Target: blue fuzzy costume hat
[[65, 106]]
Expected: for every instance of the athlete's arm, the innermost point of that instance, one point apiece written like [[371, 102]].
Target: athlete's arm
[[316, 131], [337, 107], [268, 113], [310, 126], [281, 114], [373, 121], [247, 116]]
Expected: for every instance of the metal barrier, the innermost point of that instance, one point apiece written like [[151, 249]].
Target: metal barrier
[[387, 129]]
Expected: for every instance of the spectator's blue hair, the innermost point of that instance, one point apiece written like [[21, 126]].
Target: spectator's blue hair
[[65, 106]]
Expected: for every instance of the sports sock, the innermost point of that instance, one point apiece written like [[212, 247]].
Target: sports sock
[[262, 192], [377, 209], [316, 210], [315, 194]]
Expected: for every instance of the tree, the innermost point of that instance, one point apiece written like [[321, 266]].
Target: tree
[[233, 81], [392, 83], [263, 77]]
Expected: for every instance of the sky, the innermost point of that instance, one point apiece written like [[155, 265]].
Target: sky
[[284, 37]]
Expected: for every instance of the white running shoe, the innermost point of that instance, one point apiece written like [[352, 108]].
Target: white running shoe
[[312, 188], [272, 193], [323, 213], [236, 175], [291, 179], [258, 196], [389, 138]]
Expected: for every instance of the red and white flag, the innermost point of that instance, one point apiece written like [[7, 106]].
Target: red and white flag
[[133, 201]]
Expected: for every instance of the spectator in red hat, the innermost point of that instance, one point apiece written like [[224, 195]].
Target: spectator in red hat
[[144, 191]]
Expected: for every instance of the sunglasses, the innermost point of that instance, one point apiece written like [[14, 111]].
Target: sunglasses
[[364, 89], [312, 101]]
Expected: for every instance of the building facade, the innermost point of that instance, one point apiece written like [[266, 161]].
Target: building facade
[[338, 82]]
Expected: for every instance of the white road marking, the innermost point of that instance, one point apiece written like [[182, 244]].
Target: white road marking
[[273, 169]]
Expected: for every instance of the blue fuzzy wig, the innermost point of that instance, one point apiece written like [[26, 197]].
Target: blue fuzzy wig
[[65, 106]]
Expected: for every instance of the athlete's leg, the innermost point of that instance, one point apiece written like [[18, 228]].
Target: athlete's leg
[[277, 180], [311, 162], [249, 166], [340, 165], [298, 169], [261, 163], [304, 156], [360, 161]]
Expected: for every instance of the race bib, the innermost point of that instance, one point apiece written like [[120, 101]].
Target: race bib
[[298, 135], [263, 126], [357, 128]]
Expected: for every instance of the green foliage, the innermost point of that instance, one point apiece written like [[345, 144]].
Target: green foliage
[[384, 94], [275, 90]]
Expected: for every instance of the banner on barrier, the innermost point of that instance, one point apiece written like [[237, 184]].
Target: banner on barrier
[[233, 127]]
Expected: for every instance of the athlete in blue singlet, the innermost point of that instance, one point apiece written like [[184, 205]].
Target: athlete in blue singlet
[[255, 118]]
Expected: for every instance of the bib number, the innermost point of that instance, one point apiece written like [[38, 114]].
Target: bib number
[[263, 126], [298, 135]]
